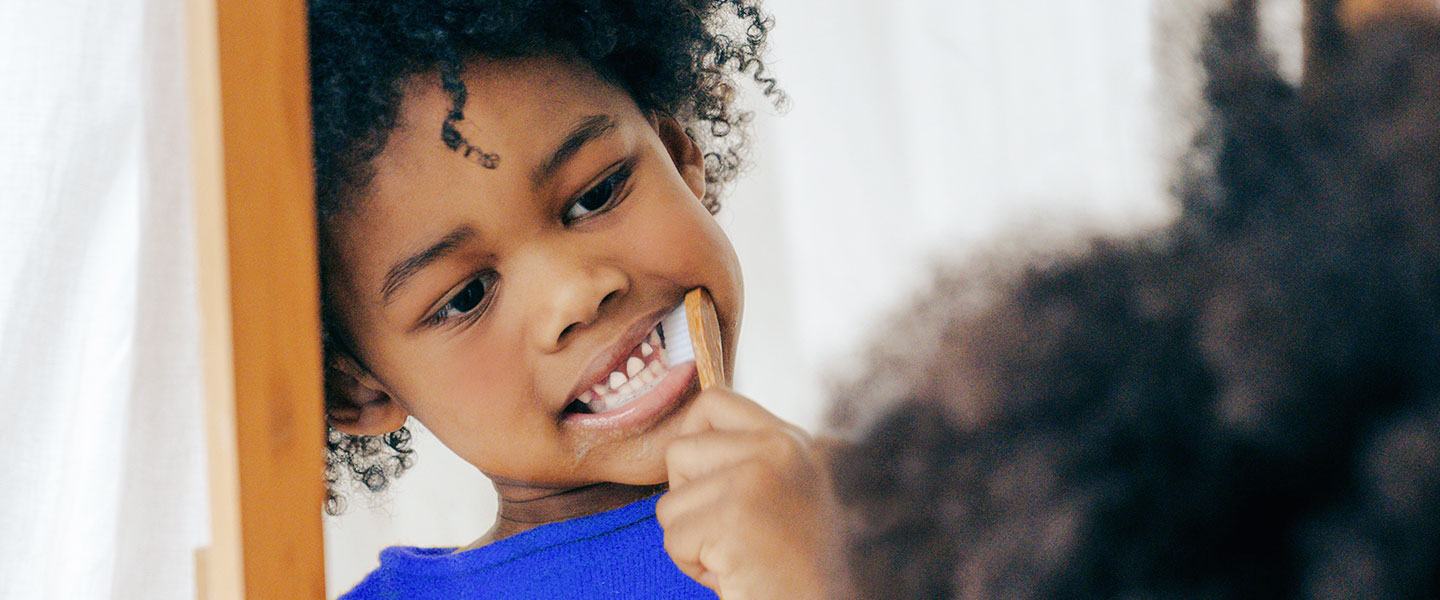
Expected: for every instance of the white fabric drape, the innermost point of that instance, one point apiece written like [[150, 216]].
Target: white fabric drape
[[103, 485]]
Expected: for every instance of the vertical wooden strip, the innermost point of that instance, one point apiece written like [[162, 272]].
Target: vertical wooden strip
[[265, 109], [269, 251], [218, 568]]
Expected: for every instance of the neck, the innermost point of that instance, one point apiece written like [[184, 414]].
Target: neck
[[523, 508]]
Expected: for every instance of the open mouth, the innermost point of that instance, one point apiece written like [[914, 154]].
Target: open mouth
[[636, 375]]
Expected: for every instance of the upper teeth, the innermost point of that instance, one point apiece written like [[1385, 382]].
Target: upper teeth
[[626, 383]]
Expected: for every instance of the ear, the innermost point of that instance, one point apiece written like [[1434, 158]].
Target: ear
[[686, 154], [355, 401]]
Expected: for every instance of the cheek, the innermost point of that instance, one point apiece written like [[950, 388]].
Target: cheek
[[463, 387], [684, 242], [687, 246]]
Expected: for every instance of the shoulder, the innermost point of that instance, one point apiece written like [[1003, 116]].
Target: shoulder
[[561, 560]]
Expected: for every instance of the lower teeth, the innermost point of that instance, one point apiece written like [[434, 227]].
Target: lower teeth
[[619, 400], [604, 402]]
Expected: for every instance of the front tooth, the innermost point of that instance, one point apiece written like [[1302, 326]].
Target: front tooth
[[633, 366], [646, 349], [616, 380], [627, 388], [647, 377]]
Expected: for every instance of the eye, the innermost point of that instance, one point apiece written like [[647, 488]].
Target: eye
[[471, 299], [604, 196]]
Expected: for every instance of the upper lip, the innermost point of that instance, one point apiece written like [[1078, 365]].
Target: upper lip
[[608, 359]]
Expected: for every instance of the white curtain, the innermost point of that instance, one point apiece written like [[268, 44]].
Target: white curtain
[[102, 482]]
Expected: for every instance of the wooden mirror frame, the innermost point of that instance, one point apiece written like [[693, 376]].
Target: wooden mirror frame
[[249, 83]]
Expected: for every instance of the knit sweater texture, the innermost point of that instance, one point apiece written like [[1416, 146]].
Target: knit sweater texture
[[615, 554]]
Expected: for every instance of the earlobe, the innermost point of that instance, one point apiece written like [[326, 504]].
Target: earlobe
[[355, 402], [685, 153]]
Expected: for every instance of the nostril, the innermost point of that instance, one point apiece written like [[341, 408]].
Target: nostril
[[570, 330]]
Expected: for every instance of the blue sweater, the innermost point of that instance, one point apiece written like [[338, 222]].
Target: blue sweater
[[615, 554]]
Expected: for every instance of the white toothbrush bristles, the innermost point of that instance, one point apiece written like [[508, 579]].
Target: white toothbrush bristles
[[676, 330]]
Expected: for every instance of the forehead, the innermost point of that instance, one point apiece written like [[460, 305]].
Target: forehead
[[516, 108]]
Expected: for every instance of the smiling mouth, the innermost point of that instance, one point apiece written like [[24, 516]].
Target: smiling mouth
[[634, 377]]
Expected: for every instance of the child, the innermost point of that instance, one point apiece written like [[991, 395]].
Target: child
[[511, 196], [1246, 405]]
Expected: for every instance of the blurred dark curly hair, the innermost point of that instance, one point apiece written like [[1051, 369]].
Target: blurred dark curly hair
[[679, 58], [1244, 405]]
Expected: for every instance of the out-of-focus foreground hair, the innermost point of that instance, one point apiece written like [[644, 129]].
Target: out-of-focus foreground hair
[[1243, 405]]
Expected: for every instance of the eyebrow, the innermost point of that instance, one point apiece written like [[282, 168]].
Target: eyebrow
[[586, 130], [403, 271]]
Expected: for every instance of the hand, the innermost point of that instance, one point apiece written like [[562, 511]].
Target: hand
[[750, 512]]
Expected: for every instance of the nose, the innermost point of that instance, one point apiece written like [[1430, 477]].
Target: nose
[[577, 297]]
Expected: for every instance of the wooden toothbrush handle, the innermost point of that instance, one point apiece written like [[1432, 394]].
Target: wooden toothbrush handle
[[705, 337]]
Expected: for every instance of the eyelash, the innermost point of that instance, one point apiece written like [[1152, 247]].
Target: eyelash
[[610, 187], [487, 282]]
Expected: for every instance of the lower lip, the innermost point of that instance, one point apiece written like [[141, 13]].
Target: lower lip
[[660, 401]]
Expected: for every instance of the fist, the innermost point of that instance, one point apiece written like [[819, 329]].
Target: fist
[[750, 512]]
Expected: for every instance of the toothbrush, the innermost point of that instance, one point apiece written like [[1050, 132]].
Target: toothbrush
[[692, 332]]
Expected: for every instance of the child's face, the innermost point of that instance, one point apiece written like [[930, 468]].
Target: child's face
[[529, 282]]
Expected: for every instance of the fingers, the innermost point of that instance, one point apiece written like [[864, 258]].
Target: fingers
[[703, 454], [758, 528], [694, 532], [722, 409], [736, 524], [748, 506], [724, 429]]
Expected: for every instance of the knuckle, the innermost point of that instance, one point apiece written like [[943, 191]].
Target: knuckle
[[716, 557], [781, 443], [752, 476]]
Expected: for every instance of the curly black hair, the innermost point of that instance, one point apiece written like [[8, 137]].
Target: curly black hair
[[1244, 405], [679, 58]]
